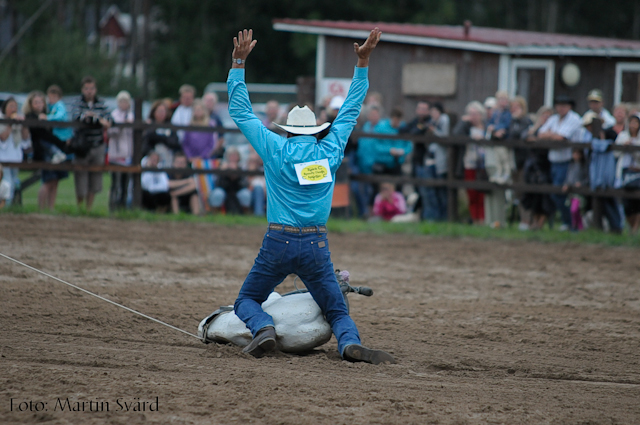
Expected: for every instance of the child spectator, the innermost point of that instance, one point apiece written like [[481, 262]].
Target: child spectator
[[388, 203], [120, 150], [58, 112], [155, 185], [577, 176]]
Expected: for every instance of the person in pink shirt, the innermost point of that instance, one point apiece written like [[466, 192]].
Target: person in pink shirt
[[389, 203]]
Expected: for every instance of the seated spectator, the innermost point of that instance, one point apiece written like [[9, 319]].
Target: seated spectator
[[11, 139], [201, 144], [435, 202], [155, 185], [472, 125], [120, 150], [5, 189], [388, 203], [563, 126], [231, 191], [182, 188], [184, 111], [595, 105], [629, 165], [43, 142], [577, 176], [163, 141]]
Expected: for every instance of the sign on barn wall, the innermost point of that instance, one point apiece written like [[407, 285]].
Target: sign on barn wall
[[432, 79], [331, 87]]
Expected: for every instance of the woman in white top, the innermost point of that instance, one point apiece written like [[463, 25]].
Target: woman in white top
[[11, 139], [630, 163]]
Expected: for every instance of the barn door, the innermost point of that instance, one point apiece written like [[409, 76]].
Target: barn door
[[533, 80]]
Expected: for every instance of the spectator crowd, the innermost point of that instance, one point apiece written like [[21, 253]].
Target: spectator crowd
[[498, 118]]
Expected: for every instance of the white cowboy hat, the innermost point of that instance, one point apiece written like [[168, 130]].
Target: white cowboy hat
[[302, 121]]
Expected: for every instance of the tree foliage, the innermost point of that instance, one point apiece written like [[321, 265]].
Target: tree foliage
[[196, 46]]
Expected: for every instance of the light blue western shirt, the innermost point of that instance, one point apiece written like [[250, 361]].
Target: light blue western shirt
[[289, 202]]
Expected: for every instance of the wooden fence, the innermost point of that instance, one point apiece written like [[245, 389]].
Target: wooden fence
[[451, 183]]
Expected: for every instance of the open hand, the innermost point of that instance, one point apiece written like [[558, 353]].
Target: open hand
[[365, 50], [243, 44]]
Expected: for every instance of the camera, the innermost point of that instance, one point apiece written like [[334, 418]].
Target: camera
[[89, 119]]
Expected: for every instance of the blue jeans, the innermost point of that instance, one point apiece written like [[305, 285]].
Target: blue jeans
[[558, 177], [435, 201], [308, 256]]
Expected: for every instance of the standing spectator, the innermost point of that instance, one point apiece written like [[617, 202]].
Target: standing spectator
[[388, 203], [419, 127], [472, 125], [595, 105], [183, 113], [435, 202], [163, 141], [630, 163], [272, 114], [563, 126], [155, 185], [490, 104], [58, 112], [200, 144], [182, 188], [43, 140], [231, 190], [577, 176], [11, 138], [5, 189], [210, 101], [90, 110], [620, 114], [120, 150], [390, 154], [365, 158], [519, 130], [537, 170], [257, 184]]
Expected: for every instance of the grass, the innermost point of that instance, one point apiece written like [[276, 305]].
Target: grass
[[66, 205]]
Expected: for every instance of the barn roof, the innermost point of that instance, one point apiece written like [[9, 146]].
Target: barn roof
[[493, 40]]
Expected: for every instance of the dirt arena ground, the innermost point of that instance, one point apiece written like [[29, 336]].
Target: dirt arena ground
[[485, 332]]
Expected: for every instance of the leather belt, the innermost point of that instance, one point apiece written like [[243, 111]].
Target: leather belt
[[293, 229]]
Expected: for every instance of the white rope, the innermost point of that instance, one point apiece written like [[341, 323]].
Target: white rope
[[98, 296]]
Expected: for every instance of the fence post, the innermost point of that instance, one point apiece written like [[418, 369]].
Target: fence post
[[137, 153], [452, 191]]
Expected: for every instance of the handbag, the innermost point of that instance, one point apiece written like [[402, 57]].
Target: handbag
[[78, 145], [630, 179]]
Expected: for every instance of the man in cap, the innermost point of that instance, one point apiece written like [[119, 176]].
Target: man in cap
[[563, 126], [299, 171], [595, 105]]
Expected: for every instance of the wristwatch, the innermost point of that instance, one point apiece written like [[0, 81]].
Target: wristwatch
[[237, 61]]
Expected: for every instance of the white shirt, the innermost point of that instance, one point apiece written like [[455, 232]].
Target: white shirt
[[155, 181], [5, 190], [568, 128], [630, 159], [606, 117], [182, 116]]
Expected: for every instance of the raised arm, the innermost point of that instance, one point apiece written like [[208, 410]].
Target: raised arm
[[365, 50], [240, 110]]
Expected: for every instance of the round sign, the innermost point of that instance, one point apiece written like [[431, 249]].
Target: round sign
[[314, 172]]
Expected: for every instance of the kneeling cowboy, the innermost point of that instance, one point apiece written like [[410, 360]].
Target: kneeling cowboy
[[299, 172]]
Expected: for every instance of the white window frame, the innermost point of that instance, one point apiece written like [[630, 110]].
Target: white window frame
[[549, 76], [620, 68]]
